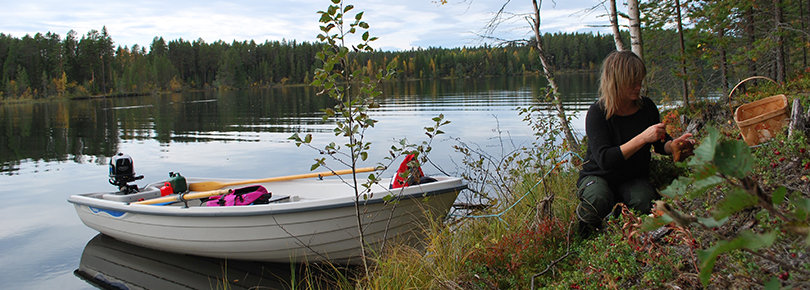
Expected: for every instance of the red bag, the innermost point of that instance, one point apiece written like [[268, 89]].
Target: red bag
[[255, 194]]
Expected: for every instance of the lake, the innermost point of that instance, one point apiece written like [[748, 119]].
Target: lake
[[51, 150]]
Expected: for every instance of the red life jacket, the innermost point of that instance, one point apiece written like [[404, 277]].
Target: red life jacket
[[407, 175]]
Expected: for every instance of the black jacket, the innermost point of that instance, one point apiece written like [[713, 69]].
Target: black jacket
[[604, 158]]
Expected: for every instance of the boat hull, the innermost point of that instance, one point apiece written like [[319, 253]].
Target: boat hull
[[313, 227]]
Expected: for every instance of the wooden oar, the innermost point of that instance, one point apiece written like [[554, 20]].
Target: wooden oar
[[212, 185], [183, 197]]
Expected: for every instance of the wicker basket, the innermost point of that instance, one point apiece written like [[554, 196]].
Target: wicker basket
[[760, 120]]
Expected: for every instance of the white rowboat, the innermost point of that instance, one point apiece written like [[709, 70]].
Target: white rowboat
[[307, 220]]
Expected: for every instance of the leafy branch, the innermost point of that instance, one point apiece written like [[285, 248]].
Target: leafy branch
[[355, 92], [730, 163]]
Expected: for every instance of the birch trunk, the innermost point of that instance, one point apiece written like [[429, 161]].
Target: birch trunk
[[573, 145], [636, 43], [614, 23]]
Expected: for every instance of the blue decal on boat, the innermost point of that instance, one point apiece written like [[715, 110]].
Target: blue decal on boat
[[113, 213]]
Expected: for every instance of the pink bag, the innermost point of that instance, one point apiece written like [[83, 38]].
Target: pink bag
[[255, 194]]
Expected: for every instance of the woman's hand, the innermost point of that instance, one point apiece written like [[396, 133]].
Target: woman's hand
[[685, 138], [653, 133], [680, 147]]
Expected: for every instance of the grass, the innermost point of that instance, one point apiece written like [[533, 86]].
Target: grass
[[497, 250]]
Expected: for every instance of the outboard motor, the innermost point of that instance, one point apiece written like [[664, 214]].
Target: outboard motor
[[122, 172]]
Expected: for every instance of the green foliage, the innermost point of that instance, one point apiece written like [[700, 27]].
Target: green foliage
[[734, 159], [663, 171], [731, 163], [746, 239], [609, 261]]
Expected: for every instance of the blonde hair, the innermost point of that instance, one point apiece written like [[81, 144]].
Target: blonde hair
[[621, 70]]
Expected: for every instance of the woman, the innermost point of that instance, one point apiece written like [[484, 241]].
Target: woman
[[621, 127]]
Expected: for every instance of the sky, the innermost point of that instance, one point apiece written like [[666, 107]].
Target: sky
[[399, 24]]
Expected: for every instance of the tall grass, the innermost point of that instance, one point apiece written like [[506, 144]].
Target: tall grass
[[501, 246]]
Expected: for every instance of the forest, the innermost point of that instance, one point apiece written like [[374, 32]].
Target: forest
[[46, 65], [724, 41]]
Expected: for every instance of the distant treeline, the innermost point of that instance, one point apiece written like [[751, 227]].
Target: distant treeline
[[45, 65], [722, 43]]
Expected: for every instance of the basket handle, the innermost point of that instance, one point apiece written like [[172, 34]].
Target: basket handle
[[745, 80]]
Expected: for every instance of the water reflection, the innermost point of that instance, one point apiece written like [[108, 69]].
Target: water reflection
[[111, 264], [65, 130]]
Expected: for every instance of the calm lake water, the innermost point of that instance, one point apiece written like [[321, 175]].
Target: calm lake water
[[51, 150]]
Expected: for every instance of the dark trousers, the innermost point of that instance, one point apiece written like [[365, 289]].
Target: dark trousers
[[597, 197]]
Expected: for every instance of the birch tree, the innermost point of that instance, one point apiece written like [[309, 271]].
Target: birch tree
[[614, 24], [548, 70], [636, 42]]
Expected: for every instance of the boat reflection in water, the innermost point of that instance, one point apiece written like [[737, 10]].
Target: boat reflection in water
[[111, 264]]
